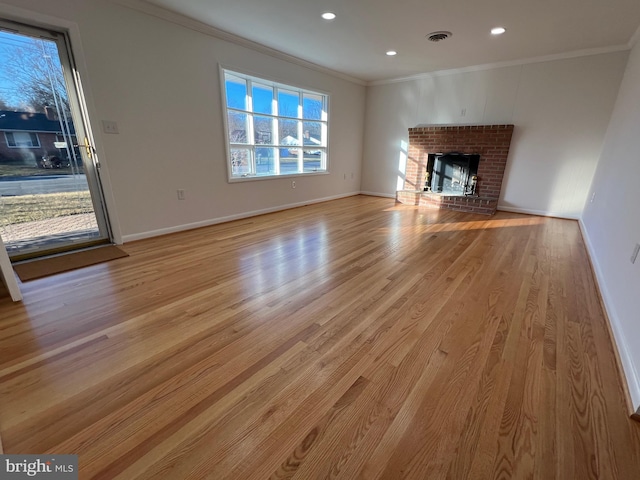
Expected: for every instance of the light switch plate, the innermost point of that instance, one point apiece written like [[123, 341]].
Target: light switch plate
[[109, 126]]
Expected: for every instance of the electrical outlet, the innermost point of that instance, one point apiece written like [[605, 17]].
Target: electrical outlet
[[634, 255], [181, 194], [109, 126], [293, 184], [463, 112]]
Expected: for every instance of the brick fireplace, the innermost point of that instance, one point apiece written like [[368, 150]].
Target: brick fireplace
[[491, 142]]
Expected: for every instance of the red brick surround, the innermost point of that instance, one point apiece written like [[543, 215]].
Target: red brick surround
[[491, 142]]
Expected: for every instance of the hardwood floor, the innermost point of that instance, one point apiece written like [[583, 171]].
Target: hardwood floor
[[350, 339]]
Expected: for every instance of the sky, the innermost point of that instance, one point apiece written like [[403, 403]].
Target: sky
[[263, 97], [10, 46]]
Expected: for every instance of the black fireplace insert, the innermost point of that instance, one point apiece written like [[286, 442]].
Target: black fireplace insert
[[452, 173]]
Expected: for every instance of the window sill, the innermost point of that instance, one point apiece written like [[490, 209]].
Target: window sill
[[275, 177]]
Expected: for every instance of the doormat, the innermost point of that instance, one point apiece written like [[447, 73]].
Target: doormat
[[63, 263]]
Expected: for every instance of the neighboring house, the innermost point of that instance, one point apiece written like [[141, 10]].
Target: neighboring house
[[27, 138], [307, 140]]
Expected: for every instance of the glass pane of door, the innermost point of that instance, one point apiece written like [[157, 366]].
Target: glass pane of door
[[50, 199]]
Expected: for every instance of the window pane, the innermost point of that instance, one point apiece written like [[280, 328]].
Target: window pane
[[288, 132], [288, 165], [288, 103], [265, 161], [262, 99], [22, 139], [312, 106], [236, 92], [272, 128], [238, 127], [312, 160], [263, 130], [240, 161], [312, 133]]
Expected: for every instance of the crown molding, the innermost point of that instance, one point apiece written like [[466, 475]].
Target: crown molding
[[510, 63], [201, 27]]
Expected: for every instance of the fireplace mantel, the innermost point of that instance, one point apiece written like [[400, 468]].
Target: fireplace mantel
[[491, 142]]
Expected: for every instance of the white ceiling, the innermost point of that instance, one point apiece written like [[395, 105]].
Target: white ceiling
[[356, 41]]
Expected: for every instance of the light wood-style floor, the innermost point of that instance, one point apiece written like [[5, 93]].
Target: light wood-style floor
[[350, 339]]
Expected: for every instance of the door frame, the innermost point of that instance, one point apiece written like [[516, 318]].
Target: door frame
[[87, 110]]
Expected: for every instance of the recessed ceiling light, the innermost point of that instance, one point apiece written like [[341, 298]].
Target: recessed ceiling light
[[391, 53], [328, 15], [498, 30]]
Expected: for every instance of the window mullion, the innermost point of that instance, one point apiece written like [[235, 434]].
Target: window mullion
[[276, 143], [323, 140], [251, 139], [324, 134], [300, 134], [256, 124], [276, 128]]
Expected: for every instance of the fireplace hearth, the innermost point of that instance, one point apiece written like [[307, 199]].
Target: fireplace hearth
[[467, 172]]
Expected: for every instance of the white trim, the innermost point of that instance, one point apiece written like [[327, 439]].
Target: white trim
[[378, 194], [271, 81], [509, 63], [292, 176], [34, 19], [230, 218], [630, 372], [47, 22], [540, 213], [276, 117], [192, 24], [7, 275]]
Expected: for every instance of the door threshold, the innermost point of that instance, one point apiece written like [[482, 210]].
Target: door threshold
[[63, 249]]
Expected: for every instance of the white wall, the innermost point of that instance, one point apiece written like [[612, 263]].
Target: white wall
[[160, 82], [611, 222], [560, 110]]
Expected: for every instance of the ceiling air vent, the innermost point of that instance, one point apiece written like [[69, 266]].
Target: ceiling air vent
[[438, 36]]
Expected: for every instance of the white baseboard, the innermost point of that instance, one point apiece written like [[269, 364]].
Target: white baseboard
[[540, 213], [629, 370], [378, 194], [213, 221]]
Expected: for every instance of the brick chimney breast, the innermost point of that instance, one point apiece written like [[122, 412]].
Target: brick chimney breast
[[491, 142]]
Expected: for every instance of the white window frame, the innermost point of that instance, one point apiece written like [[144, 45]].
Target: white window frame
[[32, 136], [275, 144]]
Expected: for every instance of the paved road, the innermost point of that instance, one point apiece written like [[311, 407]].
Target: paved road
[[48, 184]]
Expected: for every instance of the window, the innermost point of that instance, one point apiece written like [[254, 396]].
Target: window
[[273, 129], [22, 139]]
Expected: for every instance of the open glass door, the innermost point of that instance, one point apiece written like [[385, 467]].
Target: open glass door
[[50, 197]]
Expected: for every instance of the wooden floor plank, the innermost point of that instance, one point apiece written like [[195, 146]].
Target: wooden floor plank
[[356, 338]]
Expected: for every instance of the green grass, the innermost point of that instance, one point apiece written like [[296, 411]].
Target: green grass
[[30, 208], [8, 170]]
